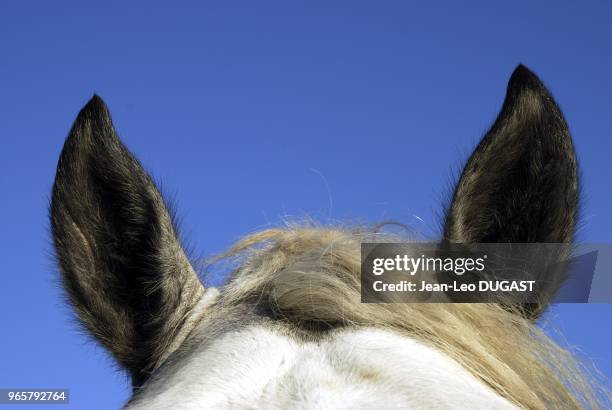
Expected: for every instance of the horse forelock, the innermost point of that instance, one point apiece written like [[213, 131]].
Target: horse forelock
[[305, 279]]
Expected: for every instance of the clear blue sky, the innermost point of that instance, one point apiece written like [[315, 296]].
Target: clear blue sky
[[250, 113]]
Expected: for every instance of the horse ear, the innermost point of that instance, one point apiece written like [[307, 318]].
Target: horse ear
[[122, 265], [520, 185]]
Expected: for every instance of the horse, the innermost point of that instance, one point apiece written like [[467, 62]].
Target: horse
[[288, 330]]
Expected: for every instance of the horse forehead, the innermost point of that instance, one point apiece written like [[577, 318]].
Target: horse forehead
[[262, 367]]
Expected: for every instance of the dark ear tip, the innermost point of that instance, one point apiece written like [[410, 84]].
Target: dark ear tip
[[93, 127], [523, 79], [95, 109], [96, 101]]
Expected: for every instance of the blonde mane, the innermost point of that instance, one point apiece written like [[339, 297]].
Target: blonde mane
[[311, 275]]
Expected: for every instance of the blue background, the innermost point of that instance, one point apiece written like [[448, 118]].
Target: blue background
[[251, 112]]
